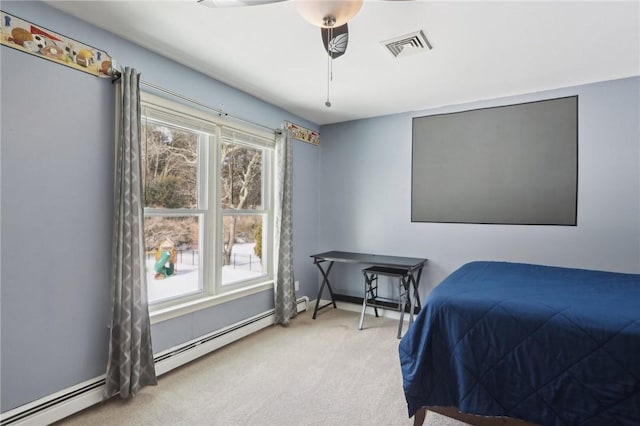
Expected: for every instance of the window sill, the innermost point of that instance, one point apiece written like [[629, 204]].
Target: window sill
[[178, 310]]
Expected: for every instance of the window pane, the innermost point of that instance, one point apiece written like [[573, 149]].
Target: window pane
[[172, 256], [199, 171], [170, 157], [241, 177], [243, 248]]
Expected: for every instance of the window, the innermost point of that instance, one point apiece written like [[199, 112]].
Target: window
[[207, 216]]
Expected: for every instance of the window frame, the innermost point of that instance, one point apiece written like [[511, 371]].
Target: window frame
[[209, 207]]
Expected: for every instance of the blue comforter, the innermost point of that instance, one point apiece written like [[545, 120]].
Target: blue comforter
[[550, 345]]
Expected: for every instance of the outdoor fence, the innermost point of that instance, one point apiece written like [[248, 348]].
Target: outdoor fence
[[245, 261], [238, 260], [186, 257]]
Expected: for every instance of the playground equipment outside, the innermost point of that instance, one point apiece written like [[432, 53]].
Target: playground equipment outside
[[188, 280], [166, 256]]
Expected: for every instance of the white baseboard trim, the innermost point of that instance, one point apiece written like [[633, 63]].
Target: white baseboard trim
[[76, 398]]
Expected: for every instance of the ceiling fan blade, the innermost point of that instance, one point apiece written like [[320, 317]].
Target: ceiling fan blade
[[235, 3], [337, 45]]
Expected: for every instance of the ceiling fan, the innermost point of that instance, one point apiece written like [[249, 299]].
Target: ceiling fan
[[330, 15], [322, 13]]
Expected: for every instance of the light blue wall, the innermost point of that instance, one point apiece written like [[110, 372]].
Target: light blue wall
[[57, 188], [306, 212], [352, 193], [57, 174], [365, 194]]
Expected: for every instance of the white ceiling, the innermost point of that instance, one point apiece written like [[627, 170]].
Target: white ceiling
[[481, 49]]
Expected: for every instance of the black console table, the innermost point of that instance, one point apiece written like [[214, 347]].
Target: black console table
[[412, 265]]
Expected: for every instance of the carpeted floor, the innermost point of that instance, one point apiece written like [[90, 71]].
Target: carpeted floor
[[314, 372]]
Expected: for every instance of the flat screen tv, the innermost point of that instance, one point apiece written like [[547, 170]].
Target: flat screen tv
[[513, 164]]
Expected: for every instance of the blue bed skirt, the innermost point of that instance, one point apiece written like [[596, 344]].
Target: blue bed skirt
[[549, 345]]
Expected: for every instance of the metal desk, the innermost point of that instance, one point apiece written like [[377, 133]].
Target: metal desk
[[412, 265]]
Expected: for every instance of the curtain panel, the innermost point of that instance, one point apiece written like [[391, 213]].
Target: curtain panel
[[285, 295], [130, 366]]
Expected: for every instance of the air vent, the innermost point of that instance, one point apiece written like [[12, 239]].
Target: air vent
[[408, 44]]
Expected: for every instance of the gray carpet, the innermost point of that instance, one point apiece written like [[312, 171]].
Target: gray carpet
[[322, 372]]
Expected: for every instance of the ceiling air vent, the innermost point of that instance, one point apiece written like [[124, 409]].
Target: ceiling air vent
[[408, 44]]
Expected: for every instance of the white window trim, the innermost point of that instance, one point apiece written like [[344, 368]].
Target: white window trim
[[163, 311], [187, 307], [162, 104]]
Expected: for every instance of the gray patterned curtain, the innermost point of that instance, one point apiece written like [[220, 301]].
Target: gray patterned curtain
[[130, 366], [285, 295]]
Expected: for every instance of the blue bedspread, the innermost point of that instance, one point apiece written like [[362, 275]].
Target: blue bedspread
[[550, 345]]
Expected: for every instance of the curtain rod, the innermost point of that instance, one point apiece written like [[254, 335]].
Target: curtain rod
[[117, 75]]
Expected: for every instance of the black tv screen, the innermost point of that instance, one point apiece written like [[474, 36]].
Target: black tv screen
[[514, 164]]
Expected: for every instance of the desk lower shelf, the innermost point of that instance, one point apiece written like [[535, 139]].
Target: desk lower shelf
[[355, 300]]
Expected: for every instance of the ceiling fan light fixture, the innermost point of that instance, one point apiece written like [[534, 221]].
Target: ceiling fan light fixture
[[328, 13]]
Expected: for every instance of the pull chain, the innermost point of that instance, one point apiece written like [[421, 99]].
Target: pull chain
[[329, 66]]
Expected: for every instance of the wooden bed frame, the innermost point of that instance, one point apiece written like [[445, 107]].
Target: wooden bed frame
[[471, 419]]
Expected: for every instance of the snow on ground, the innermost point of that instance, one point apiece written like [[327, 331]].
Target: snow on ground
[[186, 281]]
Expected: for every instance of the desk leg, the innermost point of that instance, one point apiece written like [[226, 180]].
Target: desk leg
[[405, 288], [413, 283], [325, 281]]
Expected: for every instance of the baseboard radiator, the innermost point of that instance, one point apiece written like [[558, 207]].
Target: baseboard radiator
[[83, 395]]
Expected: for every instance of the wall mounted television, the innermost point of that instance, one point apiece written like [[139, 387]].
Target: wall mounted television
[[513, 164]]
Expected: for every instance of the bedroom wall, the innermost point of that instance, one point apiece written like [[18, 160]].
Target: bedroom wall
[[57, 188], [365, 195]]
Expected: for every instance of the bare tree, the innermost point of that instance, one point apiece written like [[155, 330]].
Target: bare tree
[[170, 174], [170, 177], [241, 175]]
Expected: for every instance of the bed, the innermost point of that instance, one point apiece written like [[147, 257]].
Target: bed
[[547, 345]]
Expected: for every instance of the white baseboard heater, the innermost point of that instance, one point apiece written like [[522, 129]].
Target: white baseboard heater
[[69, 401]]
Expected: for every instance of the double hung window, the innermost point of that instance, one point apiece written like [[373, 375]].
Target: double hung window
[[208, 199]]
